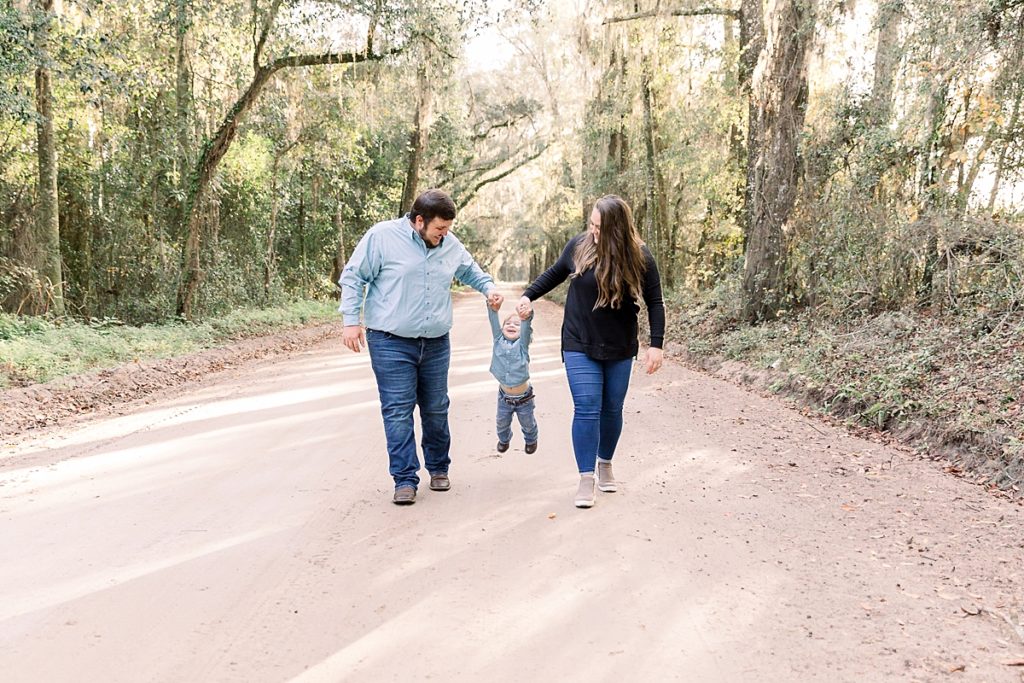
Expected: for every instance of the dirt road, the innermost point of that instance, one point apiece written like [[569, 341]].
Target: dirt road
[[244, 532]]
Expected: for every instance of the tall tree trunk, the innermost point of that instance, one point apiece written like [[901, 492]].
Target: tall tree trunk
[[418, 137], [781, 97], [301, 221], [1011, 127], [183, 89], [48, 220], [929, 186], [887, 59], [340, 253], [752, 44], [651, 218]]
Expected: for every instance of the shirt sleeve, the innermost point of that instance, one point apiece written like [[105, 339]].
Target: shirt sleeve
[[469, 273], [555, 275], [526, 332], [654, 301], [362, 268], [492, 315]]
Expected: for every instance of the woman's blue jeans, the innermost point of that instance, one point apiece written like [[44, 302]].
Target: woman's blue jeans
[[598, 392], [412, 372]]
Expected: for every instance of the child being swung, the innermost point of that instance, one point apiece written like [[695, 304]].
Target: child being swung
[[510, 365]]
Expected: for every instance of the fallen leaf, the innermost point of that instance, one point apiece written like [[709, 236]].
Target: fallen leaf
[[552, 515], [957, 667]]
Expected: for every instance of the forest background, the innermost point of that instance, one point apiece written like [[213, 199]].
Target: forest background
[[833, 189]]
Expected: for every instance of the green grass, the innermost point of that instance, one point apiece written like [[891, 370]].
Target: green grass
[[38, 350]]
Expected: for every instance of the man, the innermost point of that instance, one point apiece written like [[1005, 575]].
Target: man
[[405, 268]]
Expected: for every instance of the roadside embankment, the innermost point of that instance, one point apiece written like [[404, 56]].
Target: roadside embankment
[[950, 387], [50, 372]]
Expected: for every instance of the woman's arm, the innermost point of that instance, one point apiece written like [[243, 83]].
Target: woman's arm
[[653, 300], [553, 276], [655, 314]]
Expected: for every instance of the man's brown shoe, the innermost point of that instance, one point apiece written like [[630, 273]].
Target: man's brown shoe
[[439, 482], [405, 495]]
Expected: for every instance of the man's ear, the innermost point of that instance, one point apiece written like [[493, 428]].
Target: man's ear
[[418, 223]]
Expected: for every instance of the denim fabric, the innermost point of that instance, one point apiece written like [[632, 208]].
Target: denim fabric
[[412, 372], [598, 391], [407, 286], [525, 413]]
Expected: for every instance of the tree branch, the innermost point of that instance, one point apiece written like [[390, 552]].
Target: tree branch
[[268, 22], [328, 58], [465, 199], [506, 123], [696, 12]]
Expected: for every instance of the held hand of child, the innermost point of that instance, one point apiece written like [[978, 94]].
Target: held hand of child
[[524, 308], [494, 300]]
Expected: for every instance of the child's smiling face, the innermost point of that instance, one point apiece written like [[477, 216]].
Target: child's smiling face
[[510, 328]]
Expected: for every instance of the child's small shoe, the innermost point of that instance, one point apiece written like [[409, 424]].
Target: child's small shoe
[[531, 448], [502, 446]]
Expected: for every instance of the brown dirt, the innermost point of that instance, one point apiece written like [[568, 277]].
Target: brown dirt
[[240, 529]]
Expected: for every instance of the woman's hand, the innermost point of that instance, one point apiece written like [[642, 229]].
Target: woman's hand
[[524, 308], [653, 360]]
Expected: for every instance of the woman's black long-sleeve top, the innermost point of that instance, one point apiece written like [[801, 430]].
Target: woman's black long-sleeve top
[[603, 333]]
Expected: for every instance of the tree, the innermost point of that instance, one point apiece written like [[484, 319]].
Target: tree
[[215, 149], [781, 98], [48, 220]]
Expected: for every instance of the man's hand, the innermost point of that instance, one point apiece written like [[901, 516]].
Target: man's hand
[[494, 300], [653, 360], [524, 308], [354, 337]]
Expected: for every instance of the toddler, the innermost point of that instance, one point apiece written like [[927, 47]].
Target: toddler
[[510, 365]]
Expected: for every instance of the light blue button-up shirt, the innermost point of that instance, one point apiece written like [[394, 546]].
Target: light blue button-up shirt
[[407, 287]]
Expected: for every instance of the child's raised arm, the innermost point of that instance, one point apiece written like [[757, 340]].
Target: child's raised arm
[[492, 315], [526, 330]]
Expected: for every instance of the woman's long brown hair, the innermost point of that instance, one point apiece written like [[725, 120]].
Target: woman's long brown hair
[[617, 256]]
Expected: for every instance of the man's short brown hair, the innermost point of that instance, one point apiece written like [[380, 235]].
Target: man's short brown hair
[[433, 204]]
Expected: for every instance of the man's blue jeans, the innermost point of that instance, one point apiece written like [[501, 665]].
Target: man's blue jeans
[[507, 408], [412, 372], [598, 392]]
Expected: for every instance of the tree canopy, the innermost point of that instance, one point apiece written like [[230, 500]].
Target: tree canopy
[[782, 154]]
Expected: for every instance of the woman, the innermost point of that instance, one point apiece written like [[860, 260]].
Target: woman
[[610, 269]]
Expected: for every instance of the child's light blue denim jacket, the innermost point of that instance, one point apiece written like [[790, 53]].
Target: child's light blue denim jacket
[[510, 360]]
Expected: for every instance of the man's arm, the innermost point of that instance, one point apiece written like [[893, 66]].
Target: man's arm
[[469, 273], [360, 271]]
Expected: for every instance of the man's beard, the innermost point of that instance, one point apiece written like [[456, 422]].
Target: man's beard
[[423, 236]]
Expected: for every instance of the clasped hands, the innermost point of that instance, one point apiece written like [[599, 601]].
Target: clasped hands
[[495, 300]]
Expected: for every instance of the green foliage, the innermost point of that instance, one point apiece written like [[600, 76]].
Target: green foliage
[[16, 63], [34, 349]]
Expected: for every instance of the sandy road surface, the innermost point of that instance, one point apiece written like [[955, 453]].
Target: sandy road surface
[[243, 532]]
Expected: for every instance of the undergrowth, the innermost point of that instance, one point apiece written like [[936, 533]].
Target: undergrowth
[[950, 385], [36, 349]]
